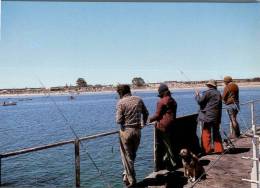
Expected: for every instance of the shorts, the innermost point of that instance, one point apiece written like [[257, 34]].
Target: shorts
[[233, 109]]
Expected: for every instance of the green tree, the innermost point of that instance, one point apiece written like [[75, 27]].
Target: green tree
[[138, 82], [81, 82]]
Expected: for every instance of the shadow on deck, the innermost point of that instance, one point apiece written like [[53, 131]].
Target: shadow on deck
[[227, 172], [164, 178]]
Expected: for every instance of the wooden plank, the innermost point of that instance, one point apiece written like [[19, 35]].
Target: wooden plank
[[227, 172]]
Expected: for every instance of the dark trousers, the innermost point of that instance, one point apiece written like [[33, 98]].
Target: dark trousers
[[165, 158]]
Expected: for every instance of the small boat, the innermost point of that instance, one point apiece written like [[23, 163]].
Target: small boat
[[71, 97], [9, 103]]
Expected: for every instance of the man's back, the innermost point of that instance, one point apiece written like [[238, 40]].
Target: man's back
[[231, 93], [130, 110], [210, 106]]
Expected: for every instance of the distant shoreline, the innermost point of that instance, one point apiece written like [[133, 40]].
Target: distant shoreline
[[147, 89]]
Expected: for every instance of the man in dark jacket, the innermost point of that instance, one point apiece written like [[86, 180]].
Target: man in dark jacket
[[165, 117], [231, 99], [210, 117], [130, 114]]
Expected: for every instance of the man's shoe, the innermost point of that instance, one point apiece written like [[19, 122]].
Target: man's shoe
[[132, 184], [125, 180]]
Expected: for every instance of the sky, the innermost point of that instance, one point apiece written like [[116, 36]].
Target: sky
[[111, 43]]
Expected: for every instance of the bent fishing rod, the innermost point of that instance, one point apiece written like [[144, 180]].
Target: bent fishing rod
[[76, 136], [187, 78]]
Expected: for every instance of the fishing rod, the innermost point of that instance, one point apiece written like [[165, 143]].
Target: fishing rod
[[75, 134], [187, 78], [197, 92]]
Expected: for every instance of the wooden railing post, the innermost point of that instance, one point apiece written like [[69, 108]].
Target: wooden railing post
[[77, 163]]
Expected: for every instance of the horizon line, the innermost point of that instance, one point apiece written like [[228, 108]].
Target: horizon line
[[166, 81]]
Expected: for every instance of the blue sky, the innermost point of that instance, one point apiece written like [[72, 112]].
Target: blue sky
[[110, 43]]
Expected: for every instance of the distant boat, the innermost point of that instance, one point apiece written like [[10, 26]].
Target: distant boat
[[71, 97], [9, 103], [25, 99]]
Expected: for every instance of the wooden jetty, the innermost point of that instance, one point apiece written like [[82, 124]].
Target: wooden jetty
[[237, 167], [231, 168], [227, 172], [223, 171]]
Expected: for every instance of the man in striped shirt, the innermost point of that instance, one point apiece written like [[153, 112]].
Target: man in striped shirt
[[131, 113]]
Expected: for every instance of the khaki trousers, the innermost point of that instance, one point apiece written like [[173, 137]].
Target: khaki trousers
[[129, 142]]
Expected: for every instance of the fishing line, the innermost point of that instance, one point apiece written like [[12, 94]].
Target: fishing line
[[220, 156], [75, 134], [228, 149], [198, 93], [187, 78]]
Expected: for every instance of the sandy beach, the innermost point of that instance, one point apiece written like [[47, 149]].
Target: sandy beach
[[146, 89]]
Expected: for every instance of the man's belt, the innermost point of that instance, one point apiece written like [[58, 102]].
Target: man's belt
[[133, 126]]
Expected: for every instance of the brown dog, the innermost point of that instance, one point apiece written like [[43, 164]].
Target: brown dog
[[192, 167]]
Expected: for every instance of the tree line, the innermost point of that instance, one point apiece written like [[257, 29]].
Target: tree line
[[136, 82]]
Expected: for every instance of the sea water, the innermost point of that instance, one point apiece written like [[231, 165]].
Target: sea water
[[49, 119]]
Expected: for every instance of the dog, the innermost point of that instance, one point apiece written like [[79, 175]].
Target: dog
[[192, 167]]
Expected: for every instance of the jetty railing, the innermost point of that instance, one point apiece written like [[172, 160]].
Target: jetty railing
[[255, 174], [76, 143]]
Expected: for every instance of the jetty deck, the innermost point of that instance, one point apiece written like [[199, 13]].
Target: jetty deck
[[227, 172]]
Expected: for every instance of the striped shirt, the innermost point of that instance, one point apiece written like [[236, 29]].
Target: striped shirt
[[129, 111]]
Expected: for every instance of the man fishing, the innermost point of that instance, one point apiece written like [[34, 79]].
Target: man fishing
[[165, 118], [210, 117], [130, 111], [231, 99]]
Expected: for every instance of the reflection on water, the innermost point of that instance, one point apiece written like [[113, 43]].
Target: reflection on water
[[36, 122]]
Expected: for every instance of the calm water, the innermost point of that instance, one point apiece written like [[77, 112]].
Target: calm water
[[37, 122]]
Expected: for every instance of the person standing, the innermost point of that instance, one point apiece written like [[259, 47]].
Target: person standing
[[165, 117], [231, 99], [210, 117], [131, 112]]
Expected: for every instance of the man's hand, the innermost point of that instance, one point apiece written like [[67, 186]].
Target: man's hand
[[122, 127], [143, 124], [197, 92]]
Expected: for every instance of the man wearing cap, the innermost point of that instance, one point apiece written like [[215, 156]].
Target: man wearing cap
[[231, 99], [210, 117], [130, 114], [165, 117]]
